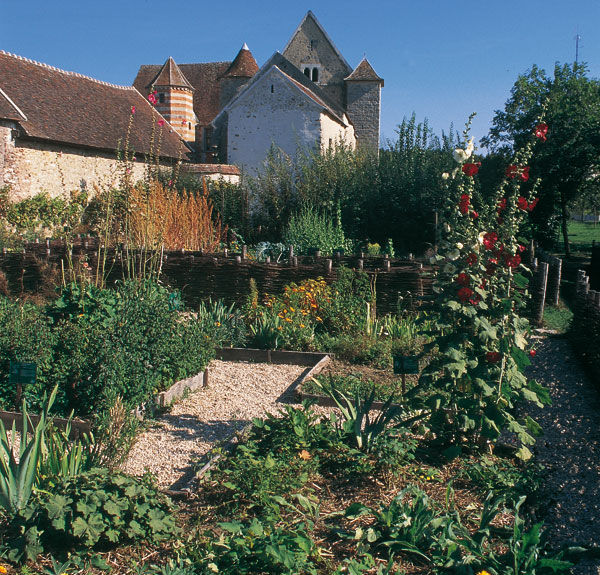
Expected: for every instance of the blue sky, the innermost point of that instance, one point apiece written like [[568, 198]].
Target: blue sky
[[441, 59]]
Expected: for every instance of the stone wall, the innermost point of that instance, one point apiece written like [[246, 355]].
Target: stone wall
[[364, 100], [32, 167], [273, 111], [311, 48], [333, 133]]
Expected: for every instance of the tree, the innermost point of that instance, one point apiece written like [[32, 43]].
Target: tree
[[568, 161]]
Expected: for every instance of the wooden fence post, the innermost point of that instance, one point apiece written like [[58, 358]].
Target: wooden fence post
[[554, 279], [538, 295]]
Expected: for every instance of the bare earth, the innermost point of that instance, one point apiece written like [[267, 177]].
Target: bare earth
[[569, 448], [236, 393]]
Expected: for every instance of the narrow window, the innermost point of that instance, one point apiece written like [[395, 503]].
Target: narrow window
[[272, 89], [189, 125], [307, 72], [330, 143], [315, 75], [313, 45], [161, 98]]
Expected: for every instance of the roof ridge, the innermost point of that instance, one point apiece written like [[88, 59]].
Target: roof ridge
[[66, 72]]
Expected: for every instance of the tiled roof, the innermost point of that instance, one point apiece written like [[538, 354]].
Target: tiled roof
[[364, 73], [69, 108], [204, 77], [171, 75], [300, 80], [8, 111], [243, 66]]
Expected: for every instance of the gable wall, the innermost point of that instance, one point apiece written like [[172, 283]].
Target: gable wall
[[332, 68], [261, 117]]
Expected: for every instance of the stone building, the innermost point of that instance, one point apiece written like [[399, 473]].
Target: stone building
[[307, 97]]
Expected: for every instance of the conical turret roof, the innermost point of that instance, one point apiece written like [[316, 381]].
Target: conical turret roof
[[171, 75], [364, 73], [243, 66]]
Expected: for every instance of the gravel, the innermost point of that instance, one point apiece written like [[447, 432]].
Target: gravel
[[236, 393], [569, 448]]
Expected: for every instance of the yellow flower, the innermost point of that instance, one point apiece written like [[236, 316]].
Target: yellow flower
[[292, 309], [288, 320], [278, 327], [318, 318], [484, 572], [3, 569], [302, 325], [218, 324]]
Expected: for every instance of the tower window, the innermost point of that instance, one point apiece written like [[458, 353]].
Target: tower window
[[313, 45], [161, 98], [307, 72], [315, 75], [189, 125], [272, 89]]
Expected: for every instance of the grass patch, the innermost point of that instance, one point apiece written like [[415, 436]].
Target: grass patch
[[558, 318], [582, 234]]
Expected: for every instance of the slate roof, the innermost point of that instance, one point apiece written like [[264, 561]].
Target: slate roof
[[300, 80], [66, 107], [204, 77], [243, 66], [171, 75], [364, 73]]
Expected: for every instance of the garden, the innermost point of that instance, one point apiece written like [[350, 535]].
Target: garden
[[423, 463]]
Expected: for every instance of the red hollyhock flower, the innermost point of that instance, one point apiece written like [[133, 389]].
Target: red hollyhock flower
[[463, 279], [474, 215], [513, 261], [533, 204], [540, 131], [152, 99], [493, 356], [483, 283], [489, 240], [522, 203], [512, 171], [525, 173], [463, 205], [521, 248], [132, 110], [475, 300], [464, 294], [161, 123], [470, 169], [501, 205], [532, 353], [471, 259]]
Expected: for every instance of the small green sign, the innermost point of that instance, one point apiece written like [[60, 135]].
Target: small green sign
[[407, 364], [22, 373]]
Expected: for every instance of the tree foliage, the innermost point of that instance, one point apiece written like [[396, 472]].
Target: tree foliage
[[568, 161]]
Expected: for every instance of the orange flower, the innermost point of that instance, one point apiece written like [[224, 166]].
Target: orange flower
[[302, 455], [288, 320], [318, 318]]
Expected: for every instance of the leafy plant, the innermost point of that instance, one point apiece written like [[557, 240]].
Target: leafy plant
[[357, 421]]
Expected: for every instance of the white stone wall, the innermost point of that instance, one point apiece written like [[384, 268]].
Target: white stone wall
[[30, 168], [275, 111], [272, 111], [333, 133]]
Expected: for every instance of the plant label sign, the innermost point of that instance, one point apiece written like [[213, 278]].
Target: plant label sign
[[406, 364], [22, 373]]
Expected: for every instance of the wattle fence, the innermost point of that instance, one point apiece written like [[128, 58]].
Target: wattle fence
[[227, 276]]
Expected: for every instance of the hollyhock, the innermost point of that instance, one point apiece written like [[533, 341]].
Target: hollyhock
[[522, 203], [161, 123], [464, 294], [532, 353], [521, 248], [463, 205], [471, 259], [132, 110], [525, 173], [463, 279], [513, 261], [533, 204], [493, 356], [512, 171], [540, 131], [474, 214], [471, 169], [489, 240]]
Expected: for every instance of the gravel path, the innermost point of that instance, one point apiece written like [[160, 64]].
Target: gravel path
[[236, 393], [569, 448]]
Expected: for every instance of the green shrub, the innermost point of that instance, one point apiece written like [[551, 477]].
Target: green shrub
[[25, 336], [312, 229], [96, 508]]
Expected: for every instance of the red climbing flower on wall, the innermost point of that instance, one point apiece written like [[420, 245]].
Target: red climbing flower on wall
[[161, 123], [540, 131]]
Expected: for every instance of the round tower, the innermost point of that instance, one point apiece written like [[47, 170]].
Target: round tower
[[175, 100], [242, 68]]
